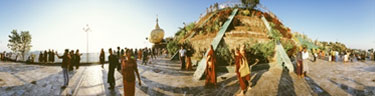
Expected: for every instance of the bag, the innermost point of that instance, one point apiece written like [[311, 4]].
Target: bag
[[244, 68]]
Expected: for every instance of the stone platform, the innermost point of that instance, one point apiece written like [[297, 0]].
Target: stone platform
[[164, 78]]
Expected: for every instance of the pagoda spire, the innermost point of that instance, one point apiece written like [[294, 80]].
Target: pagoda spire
[[157, 22]]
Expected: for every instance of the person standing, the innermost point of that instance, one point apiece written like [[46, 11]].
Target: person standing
[[129, 68], [329, 56], [118, 57], [65, 65], [182, 54], [40, 58], [140, 54], [102, 57], [189, 53], [49, 55], [337, 56], [346, 56], [299, 62], [72, 61], [305, 57], [210, 69], [45, 57], [151, 53], [53, 56], [314, 53], [113, 62], [77, 59], [334, 56]]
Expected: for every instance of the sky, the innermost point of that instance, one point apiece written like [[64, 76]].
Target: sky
[[58, 24]]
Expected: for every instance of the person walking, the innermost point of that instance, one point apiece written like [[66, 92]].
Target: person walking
[[144, 56], [65, 65], [113, 62], [210, 69], [129, 68], [243, 72]]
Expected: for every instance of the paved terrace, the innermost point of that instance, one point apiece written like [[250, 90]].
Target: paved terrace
[[163, 77]]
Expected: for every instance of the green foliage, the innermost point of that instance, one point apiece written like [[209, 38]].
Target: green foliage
[[245, 12], [289, 47], [180, 34], [190, 27], [172, 47], [223, 54], [216, 25], [189, 47], [20, 43], [337, 46], [275, 34], [208, 29], [262, 51], [250, 3]]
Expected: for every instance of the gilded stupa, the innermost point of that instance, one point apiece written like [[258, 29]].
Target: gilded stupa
[[157, 35]]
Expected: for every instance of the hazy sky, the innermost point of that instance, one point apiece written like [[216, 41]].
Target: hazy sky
[[57, 24]]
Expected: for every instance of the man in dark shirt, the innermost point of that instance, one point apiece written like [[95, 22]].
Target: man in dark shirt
[[65, 65], [144, 56], [113, 62], [118, 57]]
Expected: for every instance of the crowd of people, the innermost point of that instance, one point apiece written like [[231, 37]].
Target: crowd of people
[[125, 61], [69, 60], [46, 56], [3, 56], [344, 56]]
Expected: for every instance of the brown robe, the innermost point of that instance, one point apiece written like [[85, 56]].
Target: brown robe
[[129, 67], [243, 80], [299, 63], [140, 54], [210, 70]]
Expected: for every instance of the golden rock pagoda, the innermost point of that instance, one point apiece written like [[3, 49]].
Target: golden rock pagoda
[[157, 35]]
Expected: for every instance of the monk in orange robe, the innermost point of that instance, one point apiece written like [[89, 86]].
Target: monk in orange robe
[[140, 54], [244, 81], [129, 68], [188, 60], [243, 69], [210, 68]]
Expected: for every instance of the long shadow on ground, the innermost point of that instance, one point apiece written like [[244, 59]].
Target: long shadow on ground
[[368, 90]]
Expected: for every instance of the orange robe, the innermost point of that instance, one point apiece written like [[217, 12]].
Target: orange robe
[[188, 63], [129, 67], [243, 80], [210, 70], [140, 54]]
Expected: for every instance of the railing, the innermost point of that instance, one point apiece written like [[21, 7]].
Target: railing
[[198, 74]]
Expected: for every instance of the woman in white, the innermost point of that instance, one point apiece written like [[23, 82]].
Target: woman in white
[[305, 56]]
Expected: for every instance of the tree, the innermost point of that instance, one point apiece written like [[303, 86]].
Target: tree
[[20, 43], [250, 3]]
